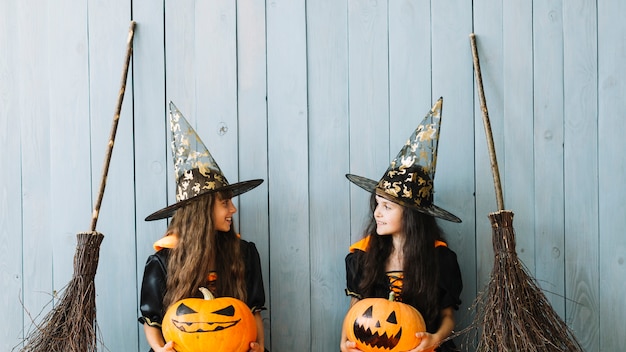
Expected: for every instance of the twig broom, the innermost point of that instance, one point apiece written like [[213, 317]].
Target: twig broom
[[512, 314], [71, 325]]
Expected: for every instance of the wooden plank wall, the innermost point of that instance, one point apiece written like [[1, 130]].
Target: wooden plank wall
[[299, 93]]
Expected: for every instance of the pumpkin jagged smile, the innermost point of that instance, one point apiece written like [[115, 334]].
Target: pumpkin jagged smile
[[186, 325], [374, 339], [196, 327], [224, 324]]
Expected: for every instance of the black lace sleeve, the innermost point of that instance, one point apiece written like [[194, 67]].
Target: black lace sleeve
[[450, 282], [153, 289], [254, 277], [353, 274]]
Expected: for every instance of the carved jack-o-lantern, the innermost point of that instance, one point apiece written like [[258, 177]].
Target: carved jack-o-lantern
[[222, 324], [378, 324]]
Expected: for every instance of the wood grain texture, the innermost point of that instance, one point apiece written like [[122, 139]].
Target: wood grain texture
[[452, 79], [253, 140], [329, 160], [612, 168], [70, 163], [108, 28], [581, 170], [368, 102], [489, 35], [11, 331], [548, 152], [288, 178], [151, 138], [31, 94], [518, 124]]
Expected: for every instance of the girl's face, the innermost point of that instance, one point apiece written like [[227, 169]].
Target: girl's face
[[222, 214], [388, 217]]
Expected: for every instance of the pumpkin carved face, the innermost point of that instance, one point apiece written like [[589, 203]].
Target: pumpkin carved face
[[215, 324], [378, 324]]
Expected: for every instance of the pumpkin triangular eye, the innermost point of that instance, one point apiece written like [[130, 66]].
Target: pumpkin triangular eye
[[227, 311], [368, 312], [392, 318], [183, 309]]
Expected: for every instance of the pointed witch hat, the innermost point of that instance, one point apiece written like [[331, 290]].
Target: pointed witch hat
[[197, 173], [409, 178]]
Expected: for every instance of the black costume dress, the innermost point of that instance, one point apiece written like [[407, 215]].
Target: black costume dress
[[450, 282], [154, 279]]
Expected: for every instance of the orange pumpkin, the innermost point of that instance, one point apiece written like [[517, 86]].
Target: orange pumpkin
[[222, 324], [378, 324]]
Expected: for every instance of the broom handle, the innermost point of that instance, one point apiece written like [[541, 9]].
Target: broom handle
[[487, 124], [116, 118]]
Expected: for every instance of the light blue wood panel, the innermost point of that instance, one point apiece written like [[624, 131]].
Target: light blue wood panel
[[612, 170], [288, 178], [11, 332], [368, 102], [31, 93], [108, 34], [151, 136], [581, 170], [410, 75], [70, 164], [454, 182], [488, 29], [548, 140], [518, 151], [252, 110], [215, 88], [180, 59], [329, 193]]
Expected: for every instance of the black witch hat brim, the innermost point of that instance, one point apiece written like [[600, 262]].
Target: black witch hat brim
[[234, 190], [372, 186]]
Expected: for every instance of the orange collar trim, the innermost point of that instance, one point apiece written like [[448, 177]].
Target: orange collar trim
[[168, 241], [362, 244]]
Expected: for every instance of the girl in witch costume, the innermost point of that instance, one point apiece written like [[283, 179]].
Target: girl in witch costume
[[403, 249], [200, 247]]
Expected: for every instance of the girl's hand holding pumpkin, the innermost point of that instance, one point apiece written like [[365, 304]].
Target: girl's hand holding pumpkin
[[349, 346], [428, 342], [256, 347], [169, 347]]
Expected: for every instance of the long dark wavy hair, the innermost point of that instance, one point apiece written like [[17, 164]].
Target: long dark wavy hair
[[420, 266], [188, 266]]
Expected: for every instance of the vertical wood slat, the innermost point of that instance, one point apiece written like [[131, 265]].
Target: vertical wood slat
[[581, 170], [252, 119], [151, 136], [215, 86], [108, 34], [10, 187], [612, 168], [32, 88], [452, 78], [69, 136], [548, 140], [368, 102], [488, 29], [329, 189], [288, 174], [410, 94], [518, 124]]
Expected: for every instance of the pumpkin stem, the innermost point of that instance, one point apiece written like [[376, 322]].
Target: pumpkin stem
[[206, 293], [392, 296]]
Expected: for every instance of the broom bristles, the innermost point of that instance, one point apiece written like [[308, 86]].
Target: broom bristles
[[71, 325], [513, 314]]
